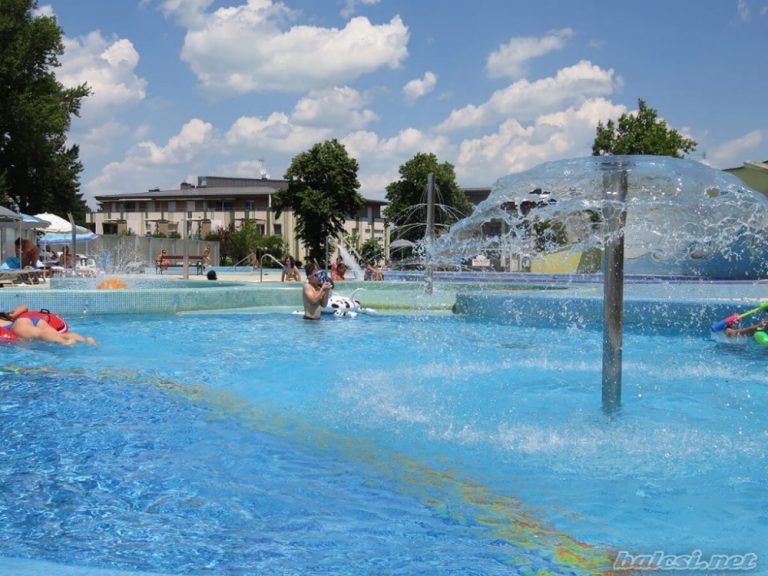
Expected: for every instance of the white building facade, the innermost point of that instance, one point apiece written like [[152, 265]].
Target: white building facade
[[194, 211]]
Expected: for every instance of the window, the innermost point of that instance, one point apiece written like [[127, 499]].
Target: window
[[250, 205]]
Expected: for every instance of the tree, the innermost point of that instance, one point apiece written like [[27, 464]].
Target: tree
[[322, 191], [247, 241], [41, 170], [641, 133], [372, 251], [407, 208]]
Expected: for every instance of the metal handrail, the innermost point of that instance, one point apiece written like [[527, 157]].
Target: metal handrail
[[261, 268], [243, 260]]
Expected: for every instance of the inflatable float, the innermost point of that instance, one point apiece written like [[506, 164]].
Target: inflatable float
[[53, 320], [343, 306]]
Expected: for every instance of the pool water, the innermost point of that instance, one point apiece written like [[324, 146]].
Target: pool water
[[257, 442]]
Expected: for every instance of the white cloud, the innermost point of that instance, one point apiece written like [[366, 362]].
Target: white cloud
[[194, 135], [514, 147], [189, 13], [405, 144], [45, 10], [742, 8], [526, 100], [249, 48], [276, 133], [350, 6], [147, 164], [419, 87], [381, 158], [735, 152], [109, 69], [97, 140], [337, 107], [510, 59]]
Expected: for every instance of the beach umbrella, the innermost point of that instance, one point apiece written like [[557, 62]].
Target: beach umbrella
[[8, 215], [59, 230]]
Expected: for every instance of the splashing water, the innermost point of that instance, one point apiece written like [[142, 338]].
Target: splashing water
[[683, 218], [351, 262]]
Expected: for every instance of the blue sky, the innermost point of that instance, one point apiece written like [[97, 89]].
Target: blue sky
[[185, 88]]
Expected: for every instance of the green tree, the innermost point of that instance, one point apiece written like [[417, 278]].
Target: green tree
[[322, 192], [372, 251], [41, 170], [244, 241], [407, 209], [640, 133]]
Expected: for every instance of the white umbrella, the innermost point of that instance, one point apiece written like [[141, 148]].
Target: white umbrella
[[402, 243], [59, 230]]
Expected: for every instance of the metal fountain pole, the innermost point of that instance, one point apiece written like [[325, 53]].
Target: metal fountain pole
[[74, 242], [429, 235], [185, 248], [615, 214]]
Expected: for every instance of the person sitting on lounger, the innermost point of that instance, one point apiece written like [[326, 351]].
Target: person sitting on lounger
[[28, 253], [65, 259]]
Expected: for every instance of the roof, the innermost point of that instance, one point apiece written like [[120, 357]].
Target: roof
[[188, 192], [238, 189]]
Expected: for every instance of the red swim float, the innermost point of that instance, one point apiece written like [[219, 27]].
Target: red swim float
[[7, 335], [53, 320]]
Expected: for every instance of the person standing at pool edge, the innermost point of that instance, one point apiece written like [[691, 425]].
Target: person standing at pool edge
[[315, 293]]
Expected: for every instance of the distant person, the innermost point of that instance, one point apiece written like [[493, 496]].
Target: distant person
[[204, 262], [372, 273], [49, 256], [65, 259], [212, 275], [291, 272], [338, 272], [37, 328], [162, 263], [28, 253], [335, 265], [316, 292]]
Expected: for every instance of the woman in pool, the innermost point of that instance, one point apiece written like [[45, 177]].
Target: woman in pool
[[290, 270], [37, 328]]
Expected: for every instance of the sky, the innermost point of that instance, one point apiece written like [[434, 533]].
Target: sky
[[188, 88]]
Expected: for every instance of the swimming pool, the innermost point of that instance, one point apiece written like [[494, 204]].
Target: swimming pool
[[410, 443]]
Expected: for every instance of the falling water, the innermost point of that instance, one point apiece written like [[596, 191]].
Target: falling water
[[683, 218], [351, 262]]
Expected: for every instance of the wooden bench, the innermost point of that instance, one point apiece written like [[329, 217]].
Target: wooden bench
[[195, 262]]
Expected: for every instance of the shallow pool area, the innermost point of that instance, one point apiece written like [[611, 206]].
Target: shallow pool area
[[250, 441]]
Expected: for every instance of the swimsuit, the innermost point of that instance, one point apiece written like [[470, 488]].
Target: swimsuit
[[32, 319]]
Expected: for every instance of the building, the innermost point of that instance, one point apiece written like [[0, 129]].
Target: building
[[216, 202], [753, 174]]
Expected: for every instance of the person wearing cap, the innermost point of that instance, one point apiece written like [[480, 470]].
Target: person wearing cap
[[316, 292]]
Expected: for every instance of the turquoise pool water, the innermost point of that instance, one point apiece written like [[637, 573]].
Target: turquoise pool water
[[259, 443]]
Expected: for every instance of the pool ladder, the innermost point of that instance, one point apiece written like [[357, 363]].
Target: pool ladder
[[261, 268]]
